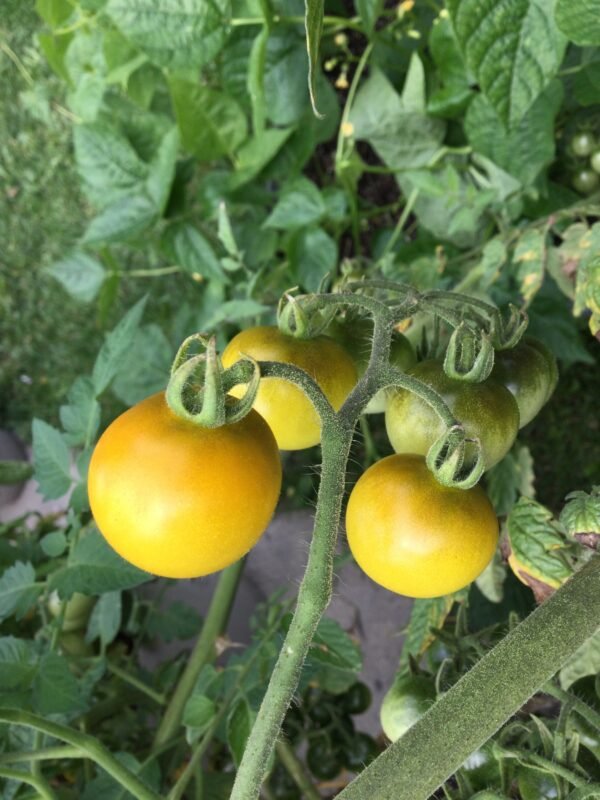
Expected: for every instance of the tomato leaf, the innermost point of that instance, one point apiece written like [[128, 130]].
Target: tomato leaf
[[52, 460], [584, 661], [17, 665], [239, 725], [18, 590], [579, 20], [80, 275], [539, 552], [581, 514], [93, 568], [513, 48], [105, 619], [55, 688], [115, 347]]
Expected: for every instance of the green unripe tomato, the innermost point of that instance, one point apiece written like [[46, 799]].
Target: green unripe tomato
[[583, 144], [405, 703], [549, 359], [595, 161], [482, 768], [359, 752], [77, 612], [356, 336], [535, 785], [586, 181], [487, 410], [356, 699], [527, 375], [324, 760]]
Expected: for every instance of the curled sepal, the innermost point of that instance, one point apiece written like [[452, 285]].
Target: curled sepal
[[470, 355], [507, 330], [247, 371], [198, 387], [455, 460], [303, 317]]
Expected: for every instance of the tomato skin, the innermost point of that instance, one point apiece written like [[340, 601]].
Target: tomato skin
[[406, 701], [550, 360], [356, 336], [525, 373], [287, 410], [487, 410], [180, 500], [356, 699], [586, 181], [583, 144], [414, 536]]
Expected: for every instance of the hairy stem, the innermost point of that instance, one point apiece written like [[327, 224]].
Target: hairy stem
[[313, 598], [473, 710], [214, 624]]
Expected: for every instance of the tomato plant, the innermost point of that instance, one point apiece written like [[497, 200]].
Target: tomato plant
[[409, 697], [161, 489], [487, 410], [529, 374], [289, 413], [414, 536]]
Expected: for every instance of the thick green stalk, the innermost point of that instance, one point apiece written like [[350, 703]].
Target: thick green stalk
[[471, 712], [578, 705], [214, 624], [45, 754], [313, 599], [39, 784], [92, 748]]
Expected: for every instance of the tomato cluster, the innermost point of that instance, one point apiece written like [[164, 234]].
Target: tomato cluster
[[161, 486], [586, 148]]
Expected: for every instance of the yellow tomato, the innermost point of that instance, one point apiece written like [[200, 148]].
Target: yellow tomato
[[288, 411], [180, 500], [414, 536]]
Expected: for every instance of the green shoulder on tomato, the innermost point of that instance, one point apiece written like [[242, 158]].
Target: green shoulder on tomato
[[409, 697], [487, 410], [529, 372]]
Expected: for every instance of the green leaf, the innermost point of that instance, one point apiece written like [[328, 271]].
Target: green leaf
[[194, 253], [52, 460], [530, 259], [80, 275], [55, 688], [509, 478], [94, 568], [286, 88], [54, 12], [256, 153], [538, 549], [54, 544], [332, 645], [115, 347], [587, 292], [450, 99], [54, 49], [313, 255], [528, 147], [145, 367], [14, 472], [579, 20], [225, 232], [125, 219], [18, 590], [256, 79], [513, 48], [211, 123], [369, 11], [178, 621], [198, 713], [17, 664], [403, 138], [105, 620], [584, 661], [582, 513], [425, 615], [586, 83], [234, 311], [239, 725], [80, 417], [162, 169], [108, 165], [299, 204], [177, 34], [491, 581], [313, 22]]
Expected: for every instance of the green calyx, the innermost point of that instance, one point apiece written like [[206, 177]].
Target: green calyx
[[507, 331], [199, 386], [470, 355], [446, 459]]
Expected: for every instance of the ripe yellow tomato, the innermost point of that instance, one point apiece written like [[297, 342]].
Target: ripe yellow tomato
[[288, 411], [180, 500], [414, 536]]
